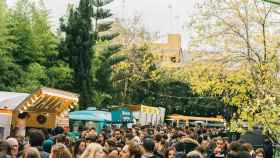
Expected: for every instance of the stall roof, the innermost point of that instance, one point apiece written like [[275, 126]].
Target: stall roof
[[48, 100], [10, 100], [42, 100]]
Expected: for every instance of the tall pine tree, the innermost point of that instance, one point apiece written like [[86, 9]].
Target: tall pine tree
[[106, 51], [85, 29], [79, 41]]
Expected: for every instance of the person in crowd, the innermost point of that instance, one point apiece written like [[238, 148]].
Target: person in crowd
[[249, 148], [94, 150], [131, 150], [14, 147], [194, 154], [259, 153], [219, 150], [149, 148], [149, 141], [47, 145], [113, 150], [60, 138], [36, 139], [160, 147], [91, 139], [170, 152], [80, 147], [101, 139], [32, 153], [59, 150], [4, 149], [118, 138]]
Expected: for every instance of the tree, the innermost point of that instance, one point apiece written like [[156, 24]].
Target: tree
[[9, 71], [245, 33], [80, 37], [106, 56], [135, 78], [35, 49]]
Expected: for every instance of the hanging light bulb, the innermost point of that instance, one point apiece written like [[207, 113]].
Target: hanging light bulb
[[29, 105]]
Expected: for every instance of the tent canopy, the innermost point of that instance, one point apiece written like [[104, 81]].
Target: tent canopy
[[91, 115]]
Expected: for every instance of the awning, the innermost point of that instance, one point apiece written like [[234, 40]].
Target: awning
[[48, 100], [10, 100], [91, 115]]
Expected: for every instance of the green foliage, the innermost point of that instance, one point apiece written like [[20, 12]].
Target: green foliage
[[28, 49], [106, 56], [8, 70], [245, 71], [78, 44]]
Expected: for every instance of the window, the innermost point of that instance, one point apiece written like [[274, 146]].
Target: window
[[173, 59]]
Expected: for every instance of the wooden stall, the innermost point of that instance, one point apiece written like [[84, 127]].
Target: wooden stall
[[41, 109]]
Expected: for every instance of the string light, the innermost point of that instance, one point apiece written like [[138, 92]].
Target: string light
[[29, 105]]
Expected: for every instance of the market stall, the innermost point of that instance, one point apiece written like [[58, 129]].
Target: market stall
[[122, 116], [146, 115], [41, 109], [90, 118]]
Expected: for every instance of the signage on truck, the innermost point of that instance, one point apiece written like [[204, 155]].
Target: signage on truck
[[148, 109]]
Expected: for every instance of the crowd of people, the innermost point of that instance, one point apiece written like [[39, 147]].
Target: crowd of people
[[136, 142]]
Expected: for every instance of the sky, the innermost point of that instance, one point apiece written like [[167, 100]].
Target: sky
[[163, 16]]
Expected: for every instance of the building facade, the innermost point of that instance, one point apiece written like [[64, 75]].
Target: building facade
[[169, 53]]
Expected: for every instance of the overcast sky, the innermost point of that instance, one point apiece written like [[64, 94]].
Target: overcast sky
[[164, 16]]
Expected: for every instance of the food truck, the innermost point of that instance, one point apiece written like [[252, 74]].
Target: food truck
[[41, 109], [122, 116], [90, 118]]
